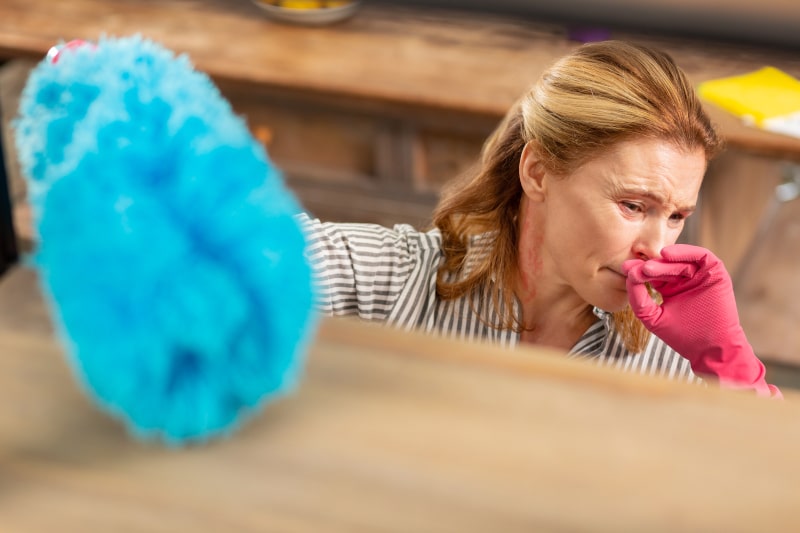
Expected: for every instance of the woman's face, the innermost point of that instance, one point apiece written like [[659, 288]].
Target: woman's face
[[628, 203]]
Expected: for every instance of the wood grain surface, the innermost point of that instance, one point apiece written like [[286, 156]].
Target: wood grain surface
[[394, 431]]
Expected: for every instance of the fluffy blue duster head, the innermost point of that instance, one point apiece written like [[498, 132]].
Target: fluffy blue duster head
[[167, 247]]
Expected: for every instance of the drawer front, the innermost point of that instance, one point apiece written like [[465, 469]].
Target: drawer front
[[334, 145], [441, 156]]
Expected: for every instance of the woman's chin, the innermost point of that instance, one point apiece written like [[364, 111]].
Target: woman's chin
[[614, 302]]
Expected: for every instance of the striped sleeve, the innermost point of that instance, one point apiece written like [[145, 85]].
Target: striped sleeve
[[360, 269]]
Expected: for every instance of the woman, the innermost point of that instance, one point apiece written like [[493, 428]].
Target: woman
[[574, 210]]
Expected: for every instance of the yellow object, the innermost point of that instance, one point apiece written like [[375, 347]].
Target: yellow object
[[767, 98]]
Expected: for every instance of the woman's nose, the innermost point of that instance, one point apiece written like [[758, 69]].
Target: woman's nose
[[650, 241]]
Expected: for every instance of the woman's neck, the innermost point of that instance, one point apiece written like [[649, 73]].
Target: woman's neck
[[552, 313], [556, 329]]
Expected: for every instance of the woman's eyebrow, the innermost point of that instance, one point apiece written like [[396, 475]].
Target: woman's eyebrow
[[652, 195]]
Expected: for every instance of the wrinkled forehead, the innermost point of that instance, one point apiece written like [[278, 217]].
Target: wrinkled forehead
[[659, 169]]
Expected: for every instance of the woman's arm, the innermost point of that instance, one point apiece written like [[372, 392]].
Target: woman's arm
[[360, 269]]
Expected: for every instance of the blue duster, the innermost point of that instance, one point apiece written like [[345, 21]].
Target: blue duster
[[167, 243]]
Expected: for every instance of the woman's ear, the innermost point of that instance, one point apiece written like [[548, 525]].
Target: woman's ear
[[532, 173]]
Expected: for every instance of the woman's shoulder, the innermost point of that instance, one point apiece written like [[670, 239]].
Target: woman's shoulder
[[399, 244], [310, 223]]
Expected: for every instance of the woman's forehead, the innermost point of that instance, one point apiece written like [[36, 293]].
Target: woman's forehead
[[650, 167]]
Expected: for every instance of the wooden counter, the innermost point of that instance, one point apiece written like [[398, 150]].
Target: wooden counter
[[399, 432]]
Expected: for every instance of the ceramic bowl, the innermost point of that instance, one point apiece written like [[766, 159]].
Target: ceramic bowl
[[311, 12]]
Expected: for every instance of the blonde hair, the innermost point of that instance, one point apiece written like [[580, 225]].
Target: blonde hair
[[598, 96]]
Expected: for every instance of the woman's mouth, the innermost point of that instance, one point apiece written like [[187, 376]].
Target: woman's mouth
[[618, 273]]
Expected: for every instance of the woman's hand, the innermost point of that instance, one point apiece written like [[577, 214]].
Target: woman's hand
[[698, 317]]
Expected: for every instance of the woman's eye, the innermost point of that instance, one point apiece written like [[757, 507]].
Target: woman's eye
[[677, 220], [631, 207]]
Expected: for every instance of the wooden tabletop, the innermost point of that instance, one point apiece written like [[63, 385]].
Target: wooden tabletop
[[398, 432], [429, 59]]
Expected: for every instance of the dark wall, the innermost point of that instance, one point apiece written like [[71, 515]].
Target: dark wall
[[766, 22]]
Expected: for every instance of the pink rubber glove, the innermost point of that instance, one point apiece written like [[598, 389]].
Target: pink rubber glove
[[698, 317]]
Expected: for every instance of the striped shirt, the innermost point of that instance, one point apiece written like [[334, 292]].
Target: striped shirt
[[389, 275]]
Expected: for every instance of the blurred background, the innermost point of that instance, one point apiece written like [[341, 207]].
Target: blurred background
[[769, 22]]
